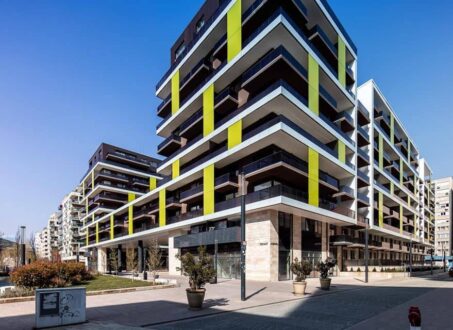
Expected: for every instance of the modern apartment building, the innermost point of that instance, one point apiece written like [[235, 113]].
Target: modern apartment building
[[42, 244], [48, 241], [115, 177], [261, 99], [72, 236], [443, 190]]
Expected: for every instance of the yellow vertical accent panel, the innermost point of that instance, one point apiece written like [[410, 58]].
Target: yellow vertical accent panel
[[97, 232], [208, 110], [175, 93], [235, 134], [86, 206], [162, 208], [92, 180], [130, 197], [234, 30], [208, 189], [401, 219], [112, 226], [313, 85], [175, 169], [86, 236], [392, 188], [130, 216], [152, 183], [381, 209], [409, 151], [381, 152], [313, 177], [83, 189], [341, 62], [92, 217], [341, 151]]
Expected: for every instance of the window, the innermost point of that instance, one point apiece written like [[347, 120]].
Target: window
[[199, 24], [181, 48]]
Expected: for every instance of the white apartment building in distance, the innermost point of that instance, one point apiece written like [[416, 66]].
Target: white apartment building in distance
[[443, 217]]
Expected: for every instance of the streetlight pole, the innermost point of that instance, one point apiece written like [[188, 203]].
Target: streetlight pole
[[22, 245], [243, 242], [443, 253], [410, 258], [367, 220]]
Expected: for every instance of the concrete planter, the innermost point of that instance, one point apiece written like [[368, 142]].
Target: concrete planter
[[299, 287], [195, 298], [325, 283]]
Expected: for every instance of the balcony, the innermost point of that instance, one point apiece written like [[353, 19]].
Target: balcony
[[321, 41], [192, 126], [363, 178], [289, 162], [164, 108], [169, 145], [345, 193], [123, 157], [363, 199], [173, 203], [363, 159], [192, 194], [226, 182], [109, 197], [219, 236], [345, 121], [184, 216], [341, 240], [194, 78], [110, 175], [226, 101]]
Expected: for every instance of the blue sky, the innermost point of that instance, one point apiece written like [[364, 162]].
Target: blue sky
[[74, 74]]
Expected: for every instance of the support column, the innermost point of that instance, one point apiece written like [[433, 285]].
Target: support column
[[120, 259], [102, 260], [297, 237], [140, 257], [173, 262], [324, 241]]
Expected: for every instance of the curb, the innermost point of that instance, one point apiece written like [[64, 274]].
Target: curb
[[96, 293]]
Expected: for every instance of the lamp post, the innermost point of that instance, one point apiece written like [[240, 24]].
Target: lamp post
[[443, 253], [367, 221], [243, 242], [410, 258], [22, 245]]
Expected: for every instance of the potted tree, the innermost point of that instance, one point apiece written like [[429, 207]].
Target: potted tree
[[301, 269], [200, 271], [323, 269]]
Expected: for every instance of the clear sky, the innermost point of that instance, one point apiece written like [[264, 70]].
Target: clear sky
[[74, 74]]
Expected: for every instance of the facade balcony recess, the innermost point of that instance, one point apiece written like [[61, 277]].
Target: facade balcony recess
[[172, 203], [364, 156], [363, 133], [321, 41], [345, 193], [169, 145], [345, 121], [341, 240], [141, 182], [164, 108], [128, 159], [285, 166], [190, 127], [195, 77], [363, 199], [192, 194], [363, 178], [225, 101], [363, 116], [114, 176]]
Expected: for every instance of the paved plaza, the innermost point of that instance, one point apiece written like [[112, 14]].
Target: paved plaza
[[349, 305]]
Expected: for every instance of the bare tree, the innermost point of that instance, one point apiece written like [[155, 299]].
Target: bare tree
[[17, 240], [113, 260], [154, 259], [32, 243], [131, 260]]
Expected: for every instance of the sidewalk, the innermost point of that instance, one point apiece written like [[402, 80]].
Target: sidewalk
[[150, 308]]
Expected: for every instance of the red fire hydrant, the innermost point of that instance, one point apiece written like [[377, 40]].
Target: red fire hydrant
[[415, 318]]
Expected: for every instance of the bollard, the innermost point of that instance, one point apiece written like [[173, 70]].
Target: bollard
[[415, 318]]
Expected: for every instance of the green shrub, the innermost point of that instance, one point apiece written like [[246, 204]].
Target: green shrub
[[45, 274]]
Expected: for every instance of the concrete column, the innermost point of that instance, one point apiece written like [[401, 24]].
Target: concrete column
[[324, 241], [102, 260], [120, 258], [173, 262], [297, 237], [140, 257], [262, 246], [339, 257]]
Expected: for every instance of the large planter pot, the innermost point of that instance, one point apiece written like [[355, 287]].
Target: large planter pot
[[325, 283], [195, 298], [299, 287]]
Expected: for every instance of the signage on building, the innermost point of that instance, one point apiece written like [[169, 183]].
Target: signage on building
[[59, 306]]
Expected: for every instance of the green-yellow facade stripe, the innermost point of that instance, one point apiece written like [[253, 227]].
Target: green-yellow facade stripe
[[313, 85], [86, 237], [83, 188], [97, 232], [341, 151], [92, 217], [313, 177], [162, 208], [401, 219], [175, 93], [409, 151], [130, 216], [392, 188], [175, 169], [208, 110], [86, 206], [152, 183], [208, 189], [392, 129], [341, 62], [235, 134], [92, 180], [401, 171], [112, 226], [234, 30], [130, 197], [381, 152], [381, 209]]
